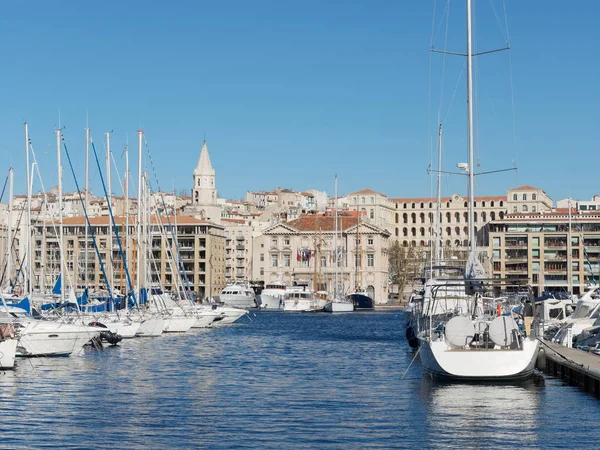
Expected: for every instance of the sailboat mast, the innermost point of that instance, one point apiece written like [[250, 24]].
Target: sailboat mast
[[27, 285], [127, 204], [60, 218], [471, 175], [139, 216], [569, 252], [87, 189], [438, 207], [109, 259], [335, 252], [9, 228]]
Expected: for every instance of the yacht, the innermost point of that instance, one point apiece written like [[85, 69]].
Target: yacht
[[239, 296], [8, 344], [272, 296], [361, 300]]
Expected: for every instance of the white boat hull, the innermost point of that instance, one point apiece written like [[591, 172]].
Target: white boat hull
[[204, 319], [339, 307], [179, 324], [151, 327], [228, 315], [271, 302], [301, 305], [238, 301], [46, 338], [8, 351], [441, 360]]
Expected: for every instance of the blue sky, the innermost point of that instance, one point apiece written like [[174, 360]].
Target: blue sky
[[291, 93]]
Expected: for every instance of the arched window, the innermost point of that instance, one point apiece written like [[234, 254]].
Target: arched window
[[466, 204], [397, 232], [448, 218], [430, 217], [430, 205], [457, 217], [475, 204], [447, 204], [413, 206], [501, 203], [533, 197], [405, 243], [397, 217], [524, 196], [501, 215], [515, 197], [483, 217], [457, 231], [466, 217], [413, 231], [465, 230], [515, 208], [422, 205], [525, 208], [492, 215], [483, 204], [448, 231], [422, 217], [405, 231], [413, 243], [422, 231], [457, 243], [372, 200], [492, 204], [405, 218], [413, 218], [448, 243], [475, 217], [422, 243], [404, 205], [466, 243]]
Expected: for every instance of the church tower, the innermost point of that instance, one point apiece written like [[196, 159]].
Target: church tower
[[204, 191]]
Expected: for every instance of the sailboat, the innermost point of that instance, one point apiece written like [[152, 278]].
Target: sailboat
[[339, 303], [360, 298], [468, 342]]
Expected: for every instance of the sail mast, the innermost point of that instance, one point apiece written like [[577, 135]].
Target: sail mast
[[139, 216], [9, 229], [86, 205], [471, 175], [109, 199], [28, 283], [60, 218], [438, 208]]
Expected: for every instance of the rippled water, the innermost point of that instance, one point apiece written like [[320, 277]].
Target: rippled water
[[280, 380]]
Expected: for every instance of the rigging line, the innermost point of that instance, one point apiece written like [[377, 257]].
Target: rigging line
[[4, 188], [112, 156], [504, 34], [444, 65], [455, 91], [446, 8], [512, 98]]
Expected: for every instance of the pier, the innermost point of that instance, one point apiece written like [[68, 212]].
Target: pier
[[573, 366]]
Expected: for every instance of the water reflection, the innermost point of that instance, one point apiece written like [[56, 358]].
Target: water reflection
[[482, 415]]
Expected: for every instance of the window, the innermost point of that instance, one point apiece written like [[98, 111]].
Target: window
[[533, 208], [372, 213], [524, 196], [363, 200], [535, 241], [496, 254], [524, 207], [533, 197], [515, 208], [370, 260], [404, 218], [262, 257], [274, 242], [535, 266], [262, 271], [286, 241], [515, 197], [286, 260], [372, 200], [496, 242], [354, 200], [323, 261], [370, 241], [535, 253], [274, 261]]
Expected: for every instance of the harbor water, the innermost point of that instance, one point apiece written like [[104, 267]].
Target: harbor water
[[279, 380]]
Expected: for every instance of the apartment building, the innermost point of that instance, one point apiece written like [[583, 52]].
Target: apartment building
[[554, 250], [201, 246]]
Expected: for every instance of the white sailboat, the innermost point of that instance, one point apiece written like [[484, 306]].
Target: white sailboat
[[339, 302], [472, 344]]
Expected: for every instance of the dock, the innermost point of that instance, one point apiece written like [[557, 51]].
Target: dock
[[573, 366]]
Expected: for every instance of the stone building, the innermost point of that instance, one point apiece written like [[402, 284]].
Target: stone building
[[304, 248]]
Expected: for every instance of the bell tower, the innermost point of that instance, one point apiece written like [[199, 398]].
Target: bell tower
[[204, 191]]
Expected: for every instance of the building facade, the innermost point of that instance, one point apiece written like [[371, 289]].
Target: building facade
[[554, 250], [305, 249]]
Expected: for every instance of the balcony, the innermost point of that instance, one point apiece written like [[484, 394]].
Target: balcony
[[240, 247], [239, 238]]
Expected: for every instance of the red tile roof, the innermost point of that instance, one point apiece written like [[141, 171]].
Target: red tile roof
[[447, 199], [322, 223], [526, 187]]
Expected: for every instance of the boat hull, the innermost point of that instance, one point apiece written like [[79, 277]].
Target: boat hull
[[361, 301], [339, 307], [238, 301], [151, 327], [441, 361], [179, 324], [54, 339], [8, 351], [271, 302], [301, 305]]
